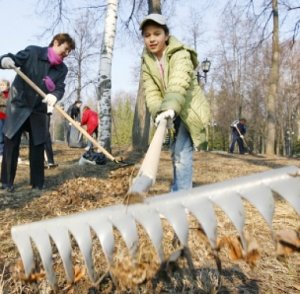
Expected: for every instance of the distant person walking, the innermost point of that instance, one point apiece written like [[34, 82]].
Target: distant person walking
[[238, 130], [26, 110]]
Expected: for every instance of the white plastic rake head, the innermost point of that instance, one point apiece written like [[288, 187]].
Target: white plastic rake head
[[256, 188]]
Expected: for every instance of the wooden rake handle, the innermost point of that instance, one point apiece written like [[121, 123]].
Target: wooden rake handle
[[65, 115], [241, 136]]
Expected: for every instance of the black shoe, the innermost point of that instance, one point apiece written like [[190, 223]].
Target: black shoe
[[10, 189], [3, 186], [38, 187]]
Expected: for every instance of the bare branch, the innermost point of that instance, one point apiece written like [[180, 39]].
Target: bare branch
[[296, 31], [131, 15]]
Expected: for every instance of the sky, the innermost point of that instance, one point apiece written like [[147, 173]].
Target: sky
[[21, 25]]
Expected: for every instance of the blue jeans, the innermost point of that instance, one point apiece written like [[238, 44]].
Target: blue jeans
[[237, 139], [2, 121], [182, 160]]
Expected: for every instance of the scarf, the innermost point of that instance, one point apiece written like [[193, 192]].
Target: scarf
[[53, 58], [5, 94]]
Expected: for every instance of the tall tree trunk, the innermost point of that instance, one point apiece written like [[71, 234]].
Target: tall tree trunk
[[104, 87], [154, 6], [141, 120], [273, 86]]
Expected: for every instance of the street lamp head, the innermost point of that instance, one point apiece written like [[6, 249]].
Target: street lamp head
[[205, 65]]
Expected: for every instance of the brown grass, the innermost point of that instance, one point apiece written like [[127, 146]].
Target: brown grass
[[73, 188]]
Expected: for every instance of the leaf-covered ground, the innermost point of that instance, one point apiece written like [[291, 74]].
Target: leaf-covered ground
[[72, 188]]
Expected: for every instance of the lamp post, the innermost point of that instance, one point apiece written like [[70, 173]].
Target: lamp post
[[289, 136], [205, 66], [211, 126]]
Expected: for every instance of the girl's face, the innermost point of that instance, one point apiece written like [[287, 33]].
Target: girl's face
[[3, 86], [155, 39], [62, 50]]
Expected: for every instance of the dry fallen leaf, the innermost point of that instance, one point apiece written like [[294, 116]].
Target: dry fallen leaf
[[234, 246], [33, 277], [235, 250], [287, 242], [79, 273], [252, 252]]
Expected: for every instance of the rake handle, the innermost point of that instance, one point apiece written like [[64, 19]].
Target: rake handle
[[65, 115], [241, 136]]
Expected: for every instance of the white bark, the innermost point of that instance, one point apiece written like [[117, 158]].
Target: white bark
[[104, 87]]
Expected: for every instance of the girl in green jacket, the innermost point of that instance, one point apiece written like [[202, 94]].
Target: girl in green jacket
[[173, 93]]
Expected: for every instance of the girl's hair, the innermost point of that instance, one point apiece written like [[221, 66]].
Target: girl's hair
[[62, 38], [151, 22], [85, 108]]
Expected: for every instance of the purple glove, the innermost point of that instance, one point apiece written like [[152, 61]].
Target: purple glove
[[49, 84]]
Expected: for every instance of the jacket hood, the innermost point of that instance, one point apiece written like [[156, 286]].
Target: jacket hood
[[175, 45]]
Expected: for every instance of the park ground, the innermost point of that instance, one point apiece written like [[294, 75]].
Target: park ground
[[71, 188]]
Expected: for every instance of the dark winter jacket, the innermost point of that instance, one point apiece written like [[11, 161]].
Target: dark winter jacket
[[241, 127], [25, 102], [74, 112]]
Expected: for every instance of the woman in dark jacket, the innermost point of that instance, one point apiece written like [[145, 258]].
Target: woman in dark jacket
[[26, 110]]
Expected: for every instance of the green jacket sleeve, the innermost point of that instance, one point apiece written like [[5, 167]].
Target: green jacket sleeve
[[153, 93], [179, 82]]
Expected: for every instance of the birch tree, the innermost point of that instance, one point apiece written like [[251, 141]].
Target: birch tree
[[104, 86]]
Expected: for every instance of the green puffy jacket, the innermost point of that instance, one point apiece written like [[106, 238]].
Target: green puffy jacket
[[179, 91]]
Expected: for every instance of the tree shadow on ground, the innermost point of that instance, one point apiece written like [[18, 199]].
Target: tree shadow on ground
[[175, 279], [181, 281], [257, 160]]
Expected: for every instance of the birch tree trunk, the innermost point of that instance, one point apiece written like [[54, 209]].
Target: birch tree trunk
[[273, 86], [104, 87], [141, 120]]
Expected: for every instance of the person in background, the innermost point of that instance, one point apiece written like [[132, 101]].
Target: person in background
[[238, 130], [173, 93], [4, 92], [75, 113], [26, 110], [90, 119], [74, 110]]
